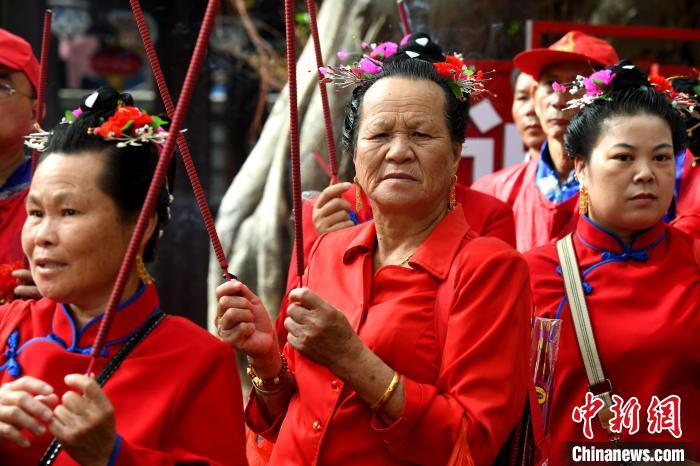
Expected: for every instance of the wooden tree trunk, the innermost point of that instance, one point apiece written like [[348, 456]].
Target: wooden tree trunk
[[254, 217]]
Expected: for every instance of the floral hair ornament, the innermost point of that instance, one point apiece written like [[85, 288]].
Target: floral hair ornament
[[685, 101], [462, 80], [597, 86], [356, 74], [7, 281], [131, 127]]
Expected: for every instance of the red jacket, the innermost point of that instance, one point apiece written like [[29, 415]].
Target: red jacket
[[12, 217], [538, 221], [176, 397], [485, 214], [644, 313], [688, 206], [474, 376]]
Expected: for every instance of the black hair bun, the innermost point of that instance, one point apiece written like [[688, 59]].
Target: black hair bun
[[421, 44], [628, 76], [105, 100], [686, 85]]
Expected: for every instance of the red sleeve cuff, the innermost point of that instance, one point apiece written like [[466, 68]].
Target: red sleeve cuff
[[417, 398], [255, 420]]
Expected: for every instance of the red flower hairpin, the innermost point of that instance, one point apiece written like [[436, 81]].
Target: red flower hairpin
[[132, 127]]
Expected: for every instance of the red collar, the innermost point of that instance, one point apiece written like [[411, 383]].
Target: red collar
[[435, 254], [598, 238], [130, 315]]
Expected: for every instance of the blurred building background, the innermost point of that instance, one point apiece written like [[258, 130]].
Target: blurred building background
[[97, 43]]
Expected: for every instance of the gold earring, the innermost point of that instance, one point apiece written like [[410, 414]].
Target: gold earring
[[145, 277], [452, 199], [358, 195], [583, 201]]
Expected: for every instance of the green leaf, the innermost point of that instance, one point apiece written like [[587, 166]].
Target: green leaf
[[156, 121], [302, 18], [456, 90], [696, 89], [69, 116], [128, 125]]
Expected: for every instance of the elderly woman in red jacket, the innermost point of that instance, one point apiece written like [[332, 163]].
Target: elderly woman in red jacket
[[640, 278], [407, 343]]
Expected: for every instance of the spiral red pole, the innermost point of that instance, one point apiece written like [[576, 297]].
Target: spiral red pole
[[330, 140], [404, 16], [43, 77], [158, 179], [294, 134], [181, 142]]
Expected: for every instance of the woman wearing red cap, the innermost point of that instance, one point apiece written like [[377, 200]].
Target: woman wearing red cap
[[395, 350], [639, 279], [19, 75], [543, 191]]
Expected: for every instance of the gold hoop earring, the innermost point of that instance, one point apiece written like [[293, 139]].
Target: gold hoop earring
[[141, 269], [452, 196], [583, 200], [358, 195]]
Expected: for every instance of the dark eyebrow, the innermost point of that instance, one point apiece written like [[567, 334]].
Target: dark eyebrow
[[663, 145], [624, 145], [58, 197]]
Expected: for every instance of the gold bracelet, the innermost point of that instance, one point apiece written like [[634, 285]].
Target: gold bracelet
[[388, 392]]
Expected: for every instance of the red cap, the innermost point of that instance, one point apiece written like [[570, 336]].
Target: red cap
[[17, 54], [574, 46]]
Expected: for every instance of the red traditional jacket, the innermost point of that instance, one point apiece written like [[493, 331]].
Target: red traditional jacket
[[176, 397], [485, 214], [538, 221], [688, 206], [474, 376], [643, 302], [12, 213]]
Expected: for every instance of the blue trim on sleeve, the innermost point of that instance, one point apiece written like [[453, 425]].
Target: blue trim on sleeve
[[115, 451]]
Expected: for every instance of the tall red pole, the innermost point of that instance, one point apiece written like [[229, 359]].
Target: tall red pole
[[158, 179]]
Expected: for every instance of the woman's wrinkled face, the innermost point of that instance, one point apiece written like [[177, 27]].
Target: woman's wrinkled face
[[405, 157], [630, 174], [73, 236]]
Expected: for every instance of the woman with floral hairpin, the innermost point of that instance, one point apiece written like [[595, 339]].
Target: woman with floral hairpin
[[625, 284], [343, 205], [395, 351], [155, 397]]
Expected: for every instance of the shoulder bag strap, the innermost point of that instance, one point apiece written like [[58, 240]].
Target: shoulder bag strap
[[52, 451], [598, 384]]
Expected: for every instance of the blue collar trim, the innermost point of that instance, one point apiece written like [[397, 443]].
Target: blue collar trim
[[98, 318], [12, 352], [18, 180], [623, 247], [548, 182], [607, 257]]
